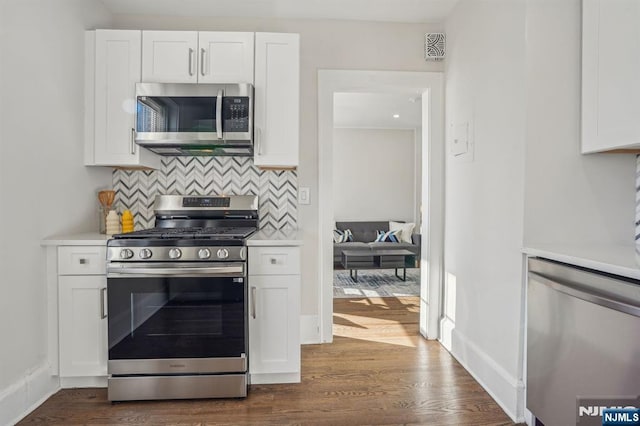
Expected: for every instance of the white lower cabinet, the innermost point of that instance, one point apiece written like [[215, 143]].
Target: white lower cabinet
[[274, 315], [83, 325], [81, 283]]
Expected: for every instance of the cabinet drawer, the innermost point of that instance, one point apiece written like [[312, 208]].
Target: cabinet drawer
[[274, 260], [82, 260]]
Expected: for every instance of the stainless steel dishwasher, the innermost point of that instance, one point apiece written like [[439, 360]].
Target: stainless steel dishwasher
[[583, 342]]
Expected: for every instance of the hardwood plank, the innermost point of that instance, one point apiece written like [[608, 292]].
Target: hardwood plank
[[377, 371]]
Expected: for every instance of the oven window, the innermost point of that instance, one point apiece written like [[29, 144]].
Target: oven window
[[176, 317]]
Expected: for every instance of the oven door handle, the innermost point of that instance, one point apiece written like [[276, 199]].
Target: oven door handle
[[179, 271]]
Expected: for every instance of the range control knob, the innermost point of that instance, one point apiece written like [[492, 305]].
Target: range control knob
[[145, 253], [222, 253], [126, 253], [175, 253], [204, 253]]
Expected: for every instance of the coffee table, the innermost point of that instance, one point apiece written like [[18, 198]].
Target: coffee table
[[355, 260]]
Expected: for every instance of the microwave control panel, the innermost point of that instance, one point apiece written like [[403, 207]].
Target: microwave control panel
[[236, 113]]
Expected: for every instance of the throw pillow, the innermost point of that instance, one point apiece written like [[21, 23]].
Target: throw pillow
[[389, 236], [406, 229], [340, 236]]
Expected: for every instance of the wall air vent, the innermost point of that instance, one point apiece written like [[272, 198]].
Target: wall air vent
[[434, 46]]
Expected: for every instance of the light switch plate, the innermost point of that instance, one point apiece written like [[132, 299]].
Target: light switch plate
[[460, 143], [303, 195]]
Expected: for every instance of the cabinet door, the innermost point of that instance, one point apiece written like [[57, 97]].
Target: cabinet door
[[117, 70], [277, 93], [225, 57], [169, 56], [610, 69], [83, 325], [274, 324]]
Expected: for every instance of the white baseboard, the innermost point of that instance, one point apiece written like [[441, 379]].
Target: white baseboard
[[505, 389], [24, 396], [446, 329], [309, 329]]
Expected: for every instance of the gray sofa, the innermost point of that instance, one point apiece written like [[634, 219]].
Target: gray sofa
[[364, 233]]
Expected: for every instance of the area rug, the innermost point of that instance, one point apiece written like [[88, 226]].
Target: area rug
[[376, 283]]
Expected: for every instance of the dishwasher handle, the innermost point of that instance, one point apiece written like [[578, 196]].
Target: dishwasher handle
[[598, 299]]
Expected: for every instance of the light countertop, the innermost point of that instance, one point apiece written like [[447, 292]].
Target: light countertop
[[81, 239], [613, 259], [260, 238], [275, 238]]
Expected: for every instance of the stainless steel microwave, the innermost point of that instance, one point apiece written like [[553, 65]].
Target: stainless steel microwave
[[195, 119]]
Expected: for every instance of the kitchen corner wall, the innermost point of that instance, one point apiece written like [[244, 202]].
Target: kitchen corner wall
[[485, 88], [277, 190]]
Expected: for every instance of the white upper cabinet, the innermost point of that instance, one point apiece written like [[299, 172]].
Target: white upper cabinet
[[197, 57], [225, 57], [112, 70], [169, 56], [277, 95], [610, 75]]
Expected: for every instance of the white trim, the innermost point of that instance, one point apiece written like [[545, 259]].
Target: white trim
[[432, 229], [332, 81], [446, 329], [83, 382], [52, 309], [376, 127], [309, 329], [274, 378], [505, 389], [24, 396]]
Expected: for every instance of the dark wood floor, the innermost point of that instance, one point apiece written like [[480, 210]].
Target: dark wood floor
[[377, 371]]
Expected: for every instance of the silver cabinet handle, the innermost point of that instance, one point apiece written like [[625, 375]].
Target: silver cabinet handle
[[202, 52], [83, 261], [598, 299], [274, 261], [219, 114], [259, 141], [190, 61], [253, 302], [103, 313], [132, 141]]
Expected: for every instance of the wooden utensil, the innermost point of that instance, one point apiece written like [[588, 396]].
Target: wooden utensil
[[106, 198]]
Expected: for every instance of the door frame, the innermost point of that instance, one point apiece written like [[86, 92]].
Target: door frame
[[431, 86]]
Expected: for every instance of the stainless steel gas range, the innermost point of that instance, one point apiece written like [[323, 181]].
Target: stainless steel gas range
[[177, 301]]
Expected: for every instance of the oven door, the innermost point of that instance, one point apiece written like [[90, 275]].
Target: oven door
[[177, 318]]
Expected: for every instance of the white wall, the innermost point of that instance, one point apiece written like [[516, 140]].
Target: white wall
[[44, 187], [374, 174], [324, 44], [527, 183], [485, 192], [570, 198]]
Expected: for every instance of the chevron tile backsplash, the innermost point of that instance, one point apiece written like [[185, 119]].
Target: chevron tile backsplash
[[277, 190]]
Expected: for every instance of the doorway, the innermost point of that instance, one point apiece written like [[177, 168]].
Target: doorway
[[428, 85]]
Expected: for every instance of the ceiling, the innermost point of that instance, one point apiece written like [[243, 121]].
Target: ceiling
[[410, 11], [376, 110]]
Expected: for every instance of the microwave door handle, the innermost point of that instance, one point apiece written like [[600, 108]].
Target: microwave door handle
[[219, 114]]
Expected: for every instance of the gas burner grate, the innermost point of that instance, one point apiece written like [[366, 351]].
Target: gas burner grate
[[189, 233]]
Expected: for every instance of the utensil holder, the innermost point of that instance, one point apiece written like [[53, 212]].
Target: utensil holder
[[102, 219]]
